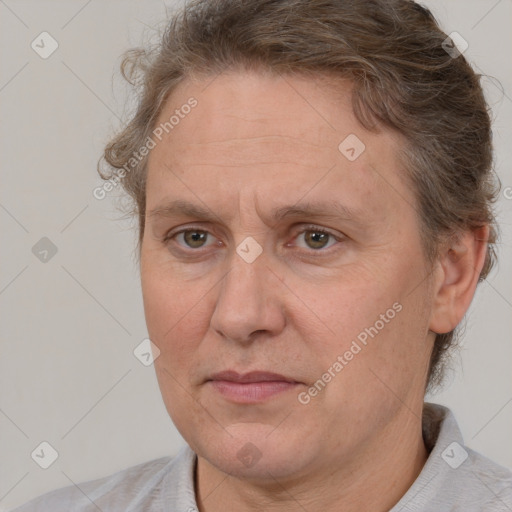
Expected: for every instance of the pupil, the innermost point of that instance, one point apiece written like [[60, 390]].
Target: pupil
[[194, 237], [318, 239]]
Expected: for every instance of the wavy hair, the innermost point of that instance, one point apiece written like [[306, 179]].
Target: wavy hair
[[394, 54]]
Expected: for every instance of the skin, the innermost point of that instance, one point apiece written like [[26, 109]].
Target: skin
[[255, 142]]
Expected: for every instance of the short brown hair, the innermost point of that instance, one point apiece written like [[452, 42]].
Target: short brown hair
[[392, 51]]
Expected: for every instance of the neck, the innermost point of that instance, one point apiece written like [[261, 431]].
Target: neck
[[375, 479]]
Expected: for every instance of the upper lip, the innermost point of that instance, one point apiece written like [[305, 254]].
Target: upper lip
[[255, 376]]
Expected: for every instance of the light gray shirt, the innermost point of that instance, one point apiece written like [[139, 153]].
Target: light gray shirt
[[454, 478]]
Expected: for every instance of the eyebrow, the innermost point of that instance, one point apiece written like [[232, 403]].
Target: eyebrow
[[330, 209]]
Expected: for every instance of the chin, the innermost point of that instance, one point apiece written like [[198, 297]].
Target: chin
[[258, 452]]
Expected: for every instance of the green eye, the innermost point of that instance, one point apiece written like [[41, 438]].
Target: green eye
[[194, 238], [310, 238], [315, 238]]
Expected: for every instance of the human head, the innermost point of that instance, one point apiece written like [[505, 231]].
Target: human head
[[402, 78], [421, 187]]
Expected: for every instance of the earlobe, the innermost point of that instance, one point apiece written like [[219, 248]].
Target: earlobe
[[459, 267]]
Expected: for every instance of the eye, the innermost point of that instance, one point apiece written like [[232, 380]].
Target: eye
[[312, 237], [190, 238], [316, 238]]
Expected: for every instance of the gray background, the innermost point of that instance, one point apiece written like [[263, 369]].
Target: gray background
[[69, 326]]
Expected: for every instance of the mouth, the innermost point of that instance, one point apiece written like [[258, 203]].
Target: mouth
[[252, 387]]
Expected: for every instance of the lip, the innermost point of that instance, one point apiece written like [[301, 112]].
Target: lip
[[252, 387]]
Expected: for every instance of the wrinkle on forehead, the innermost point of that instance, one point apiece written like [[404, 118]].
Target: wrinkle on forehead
[[258, 150], [261, 138], [249, 132]]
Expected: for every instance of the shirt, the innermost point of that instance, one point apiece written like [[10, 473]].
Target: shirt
[[454, 478]]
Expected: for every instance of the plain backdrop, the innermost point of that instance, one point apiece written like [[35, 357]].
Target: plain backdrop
[[69, 325]]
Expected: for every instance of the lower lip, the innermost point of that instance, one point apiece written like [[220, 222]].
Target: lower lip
[[251, 392]]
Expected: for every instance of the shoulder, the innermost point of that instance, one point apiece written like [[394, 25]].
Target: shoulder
[[471, 482], [455, 477], [483, 483], [118, 491]]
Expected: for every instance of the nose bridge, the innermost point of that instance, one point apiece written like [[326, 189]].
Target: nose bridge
[[245, 279], [247, 301]]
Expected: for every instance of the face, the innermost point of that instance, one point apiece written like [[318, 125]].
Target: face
[[270, 248]]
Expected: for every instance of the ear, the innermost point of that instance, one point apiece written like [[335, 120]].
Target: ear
[[458, 270]]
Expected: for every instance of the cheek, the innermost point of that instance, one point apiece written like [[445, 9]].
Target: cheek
[[370, 315], [340, 308], [173, 315], [173, 321]]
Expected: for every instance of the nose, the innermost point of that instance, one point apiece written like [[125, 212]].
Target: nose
[[249, 302]]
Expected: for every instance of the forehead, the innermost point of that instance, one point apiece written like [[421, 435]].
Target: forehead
[[270, 132], [310, 113]]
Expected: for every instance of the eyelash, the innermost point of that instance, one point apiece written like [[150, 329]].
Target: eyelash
[[310, 228]]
